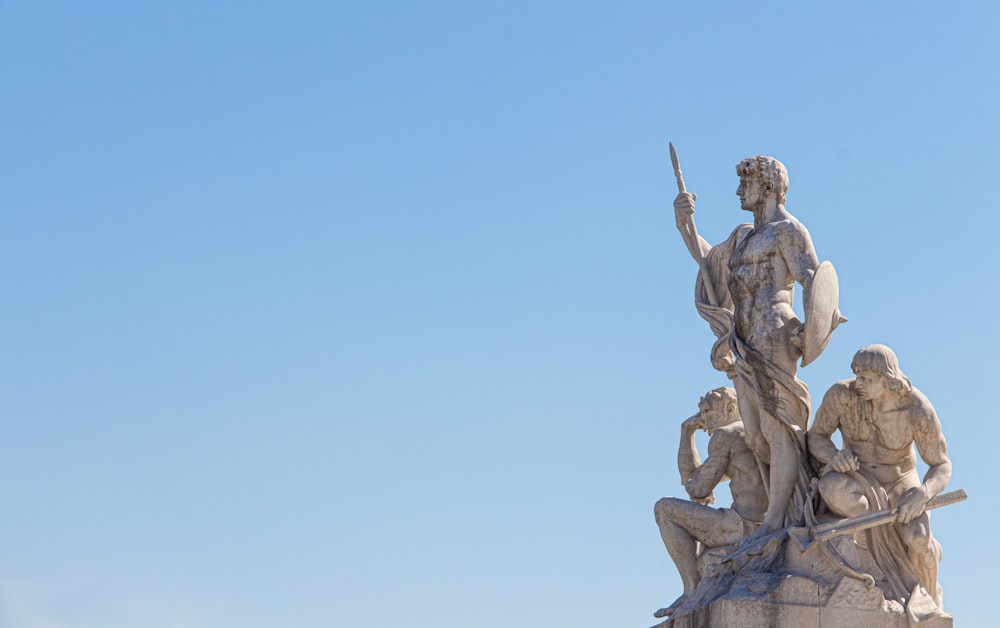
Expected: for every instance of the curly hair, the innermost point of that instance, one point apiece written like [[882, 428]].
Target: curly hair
[[723, 395], [771, 173]]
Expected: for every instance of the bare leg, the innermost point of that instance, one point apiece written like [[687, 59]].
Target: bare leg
[[758, 444], [924, 553], [683, 525], [784, 469], [750, 414], [681, 546], [780, 477]]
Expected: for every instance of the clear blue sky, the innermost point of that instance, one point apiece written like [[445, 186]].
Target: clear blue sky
[[375, 315]]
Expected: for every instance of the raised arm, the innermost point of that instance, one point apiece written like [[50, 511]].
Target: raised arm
[[696, 245], [688, 460]]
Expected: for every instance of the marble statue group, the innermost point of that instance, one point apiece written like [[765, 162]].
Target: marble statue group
[[816, 535]]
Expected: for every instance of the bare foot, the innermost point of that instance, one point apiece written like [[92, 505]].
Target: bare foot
[[761, 532], [668, 611]]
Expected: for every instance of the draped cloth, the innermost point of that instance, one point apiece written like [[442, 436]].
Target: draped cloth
[[885, 542], [774, 391], [903, 578]]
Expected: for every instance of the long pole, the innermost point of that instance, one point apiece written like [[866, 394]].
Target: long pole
[[689, 233]]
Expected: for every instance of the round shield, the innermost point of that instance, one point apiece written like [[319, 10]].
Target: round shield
[[822, 316]]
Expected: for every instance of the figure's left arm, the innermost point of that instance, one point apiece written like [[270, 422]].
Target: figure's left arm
[[798, 252], [934, 452]]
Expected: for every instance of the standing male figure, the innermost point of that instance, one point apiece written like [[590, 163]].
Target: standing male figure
[[745, 291], [881, 416], [683, 524]]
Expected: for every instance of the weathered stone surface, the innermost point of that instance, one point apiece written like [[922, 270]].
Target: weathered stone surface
[[815, 564], [687, 525], [817, 536], [851, 593], [747, 613], [745, 290]]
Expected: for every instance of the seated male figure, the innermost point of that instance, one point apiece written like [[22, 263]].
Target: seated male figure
[[683, 523], [881, 416]]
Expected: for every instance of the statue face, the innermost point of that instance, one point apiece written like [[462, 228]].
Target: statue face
[[870, 385], [715, 416], [751, 193]]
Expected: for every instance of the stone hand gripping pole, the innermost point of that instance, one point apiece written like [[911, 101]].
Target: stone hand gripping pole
[[805, 537], [688, 231], [712, 304]]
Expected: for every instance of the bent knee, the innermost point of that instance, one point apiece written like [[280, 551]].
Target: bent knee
[[832, 483], [917, 533], [665, 508], [843, 495]]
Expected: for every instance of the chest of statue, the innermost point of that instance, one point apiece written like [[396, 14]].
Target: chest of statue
[[893, 431], [889, 430], [759, 247]]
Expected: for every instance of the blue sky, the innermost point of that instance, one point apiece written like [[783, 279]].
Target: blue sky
[[329, 315]]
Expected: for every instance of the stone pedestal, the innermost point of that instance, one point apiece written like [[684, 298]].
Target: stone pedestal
[[729, 613], [799, 589]]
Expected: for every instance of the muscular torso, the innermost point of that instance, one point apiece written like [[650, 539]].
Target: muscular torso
[[882, 444], [762, 288], [749, 497], [882, 440]]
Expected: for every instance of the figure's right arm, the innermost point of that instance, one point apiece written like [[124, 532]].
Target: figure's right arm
[[688, 460], [827, 422], [684, 216]]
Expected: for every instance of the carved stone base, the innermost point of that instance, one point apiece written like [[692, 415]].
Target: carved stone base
[[726, 613], [789, 588]]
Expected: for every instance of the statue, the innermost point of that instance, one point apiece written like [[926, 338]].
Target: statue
[[816, 536], [881, 416], [684, 524], [745, 291]]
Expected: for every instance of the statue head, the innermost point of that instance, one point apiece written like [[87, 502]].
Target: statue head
[[718, 408], [766, 172], [876, 367]]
